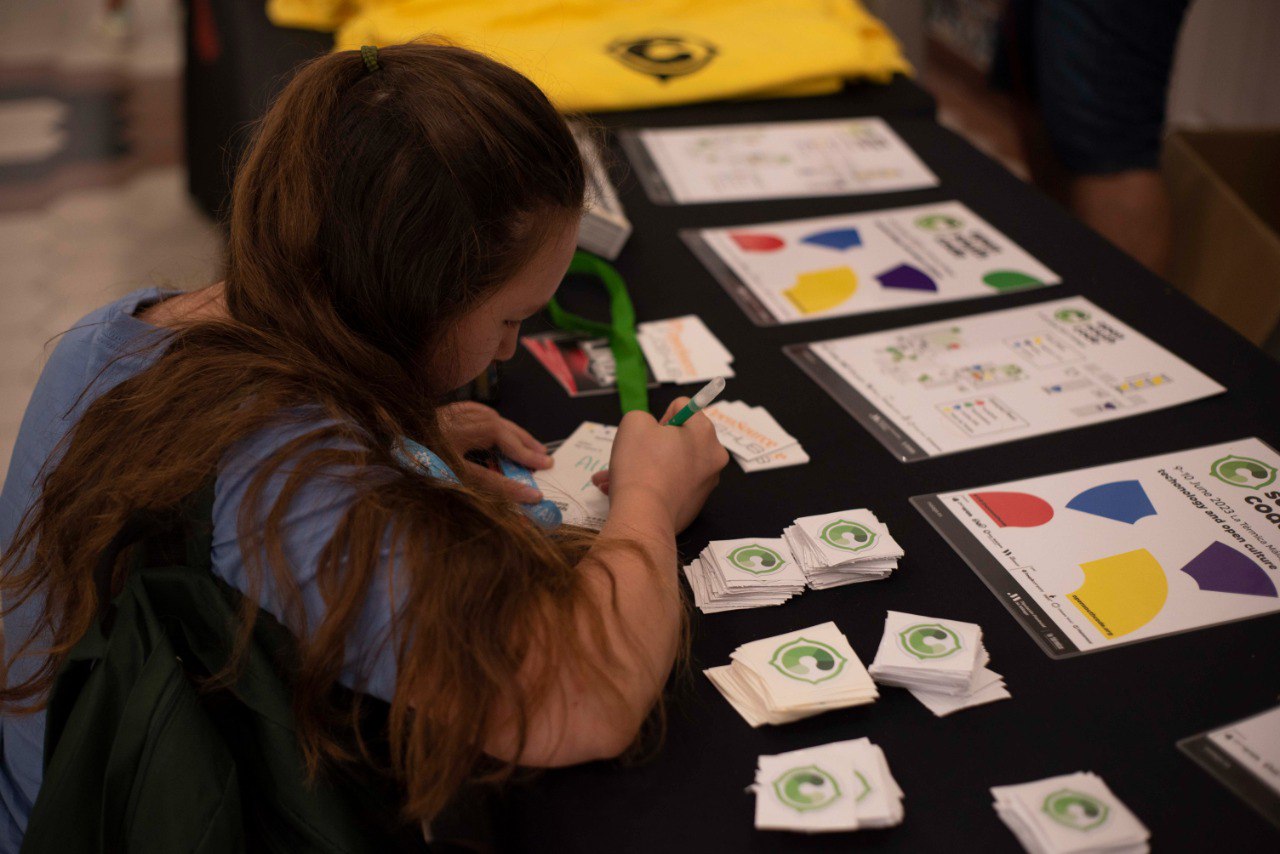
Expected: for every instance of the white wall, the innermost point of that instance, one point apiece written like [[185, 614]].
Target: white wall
[[1227, 69]]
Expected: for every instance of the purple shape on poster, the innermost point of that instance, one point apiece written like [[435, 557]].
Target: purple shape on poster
[[908, 278], [1224, 570], [837, 238]]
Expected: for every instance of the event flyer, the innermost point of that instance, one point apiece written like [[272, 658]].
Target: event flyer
[[984, 379], [1245, 757], [812, 269], [1092, 559], [744, 162]]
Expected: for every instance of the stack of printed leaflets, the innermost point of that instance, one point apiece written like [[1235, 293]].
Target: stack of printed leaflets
[[792, 676], [745, 573], [844, 547], [1071, 814], [845, 785], [754, 437], [683, 350], [942, 662]]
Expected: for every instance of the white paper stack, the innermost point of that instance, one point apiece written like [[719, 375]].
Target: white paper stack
[[1071, 814], [797, 675], [843, 548], [845, 785], [754, 437], [683, 350], [747, 573], [604, 227], [942, 662]]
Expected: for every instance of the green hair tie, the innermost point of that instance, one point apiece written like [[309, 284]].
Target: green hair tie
[[369, 53]]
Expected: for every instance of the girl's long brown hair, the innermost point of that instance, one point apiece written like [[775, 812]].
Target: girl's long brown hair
[[371, 212]]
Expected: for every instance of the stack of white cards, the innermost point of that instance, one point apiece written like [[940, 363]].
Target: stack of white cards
[[843, 548], [754, 437], [785, 678], [747, 573], [845, 785], [604, 228], [1071, 814], [942, 662], [683, 350]]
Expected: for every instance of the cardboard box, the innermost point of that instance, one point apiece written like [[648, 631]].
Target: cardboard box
[[1225, 189]]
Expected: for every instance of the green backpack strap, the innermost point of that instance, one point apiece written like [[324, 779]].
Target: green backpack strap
[[632, 375]]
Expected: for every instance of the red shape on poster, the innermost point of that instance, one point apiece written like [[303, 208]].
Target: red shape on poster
[[748, 242], [1014, 509]]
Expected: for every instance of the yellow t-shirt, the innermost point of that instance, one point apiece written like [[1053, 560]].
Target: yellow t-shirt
[[591, 55]]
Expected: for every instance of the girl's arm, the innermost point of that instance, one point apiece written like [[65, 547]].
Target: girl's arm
[[659, 479]]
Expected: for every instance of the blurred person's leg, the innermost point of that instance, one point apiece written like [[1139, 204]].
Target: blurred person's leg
[[1092, 76]]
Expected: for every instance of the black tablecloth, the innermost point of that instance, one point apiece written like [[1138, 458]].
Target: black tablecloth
[[1116, 713]]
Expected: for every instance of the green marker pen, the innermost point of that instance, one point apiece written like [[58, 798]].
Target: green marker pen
[[698, 402]]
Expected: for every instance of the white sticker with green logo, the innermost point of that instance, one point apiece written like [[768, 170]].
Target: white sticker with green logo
[[844, 785], [1073, 812]]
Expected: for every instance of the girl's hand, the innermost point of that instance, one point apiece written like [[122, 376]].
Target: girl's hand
[[674, 468], [471, 426]]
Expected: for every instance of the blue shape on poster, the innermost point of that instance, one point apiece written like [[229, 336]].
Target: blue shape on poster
[[1223, 569], [1124, 501], [907, 278], [838, 238]]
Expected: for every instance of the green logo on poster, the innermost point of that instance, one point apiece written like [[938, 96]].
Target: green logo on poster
[[756, 559], [1244, 472], [938, 222], [806, 788], [1071, 315], [929, 640], [808, 661], [847, 536], [1075, 810]]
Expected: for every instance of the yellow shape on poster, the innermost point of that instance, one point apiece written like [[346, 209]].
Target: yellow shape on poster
[[1122, 593], [822, 290]]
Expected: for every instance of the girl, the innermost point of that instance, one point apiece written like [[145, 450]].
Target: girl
[[397, 217]]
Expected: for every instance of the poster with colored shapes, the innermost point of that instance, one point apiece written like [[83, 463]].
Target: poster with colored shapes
[[779, 160], [968, 382], [1092, 559], [811, 269], [1245, 757]]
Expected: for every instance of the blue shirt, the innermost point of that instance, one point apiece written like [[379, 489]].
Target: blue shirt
[[105, 348]]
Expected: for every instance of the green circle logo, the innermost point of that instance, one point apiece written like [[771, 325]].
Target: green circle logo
[[847, 536], [929, 640], [756, 559], [866, 787], [1075, 810], [1244, 472], [806, 788], [808, 661], [938, 222], [1071, 315]]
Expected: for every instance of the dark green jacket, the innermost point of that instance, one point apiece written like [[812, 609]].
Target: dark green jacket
[[140, 759]]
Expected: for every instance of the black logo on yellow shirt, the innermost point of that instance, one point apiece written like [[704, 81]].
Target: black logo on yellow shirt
[[665, 56]]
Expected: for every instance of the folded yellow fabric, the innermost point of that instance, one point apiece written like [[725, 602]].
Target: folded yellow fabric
[[590, 55]]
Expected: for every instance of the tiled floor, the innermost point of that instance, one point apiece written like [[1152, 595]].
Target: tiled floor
[[93, 200]]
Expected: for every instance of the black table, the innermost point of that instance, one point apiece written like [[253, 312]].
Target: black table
[[1117, 713]]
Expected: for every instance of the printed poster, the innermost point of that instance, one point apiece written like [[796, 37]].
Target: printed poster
[[1092, 559], [1244, 757], [813, 269], [780, 160], [985, 379]]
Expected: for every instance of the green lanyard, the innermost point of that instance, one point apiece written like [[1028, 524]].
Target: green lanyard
[[632, 375]]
